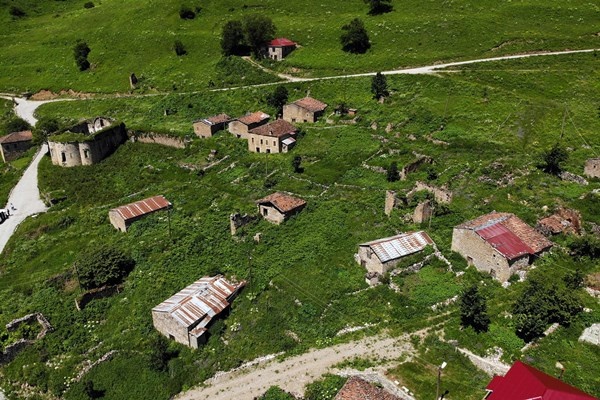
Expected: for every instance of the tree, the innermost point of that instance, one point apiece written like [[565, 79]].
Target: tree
[[297, 164], [473, 310], [258, 31], [15, 124], [81, 52], [16, 12], [574, 280], [354, 37], [553, 158], [379, 86], [105, 265], [529, 327], [179, 48], [392, 172], [379, 6], [232, 39], [278, 98], [160, 355], [44, 127]]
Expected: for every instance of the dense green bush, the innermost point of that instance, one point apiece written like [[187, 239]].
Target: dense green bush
[[16, 11], [324, 389], [89, 4], [276, 393], [179, 48], [104, 265], [186, 13], [81, 51], [354, 37]]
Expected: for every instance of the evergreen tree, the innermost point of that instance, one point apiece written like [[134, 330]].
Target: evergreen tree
[[81, 52], [553, 159], [258, 30], [179, 48], [473, 310], [354, 38], [278, 98], [43, 128], [379, 86], [379, 6], [297, 164], [232, 39], [392, 172]]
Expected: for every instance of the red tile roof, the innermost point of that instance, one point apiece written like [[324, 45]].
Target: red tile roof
[[142, 207], [281, 42], [358, 389], [23, 136], [523, 382], [508, 234], [254, 118], [276, 128], [282, 201], [310, 104]]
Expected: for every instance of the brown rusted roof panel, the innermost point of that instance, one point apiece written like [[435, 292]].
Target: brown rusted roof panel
[[15, 137], [283, 201], [142, 207]]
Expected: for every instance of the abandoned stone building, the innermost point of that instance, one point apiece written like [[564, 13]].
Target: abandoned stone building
[[499, 244], [86, 143], [122, 217], [564, 220], [381, 255], [592, 168], [14, 144], [304, 110], [186, 316], [275, 137], [207, 127], [279, 206], [279, 48], [240, 126]]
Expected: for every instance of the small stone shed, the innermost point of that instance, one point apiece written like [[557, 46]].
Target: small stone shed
[[565, 220], [275, 137], [279, 206], [122, 217], [186, 316], [304, 110], [356, 388], [207, 127], [279, 48], [499, 244], [381, 255], [240, 126], [592, 168], [14, 144], [86, 143]]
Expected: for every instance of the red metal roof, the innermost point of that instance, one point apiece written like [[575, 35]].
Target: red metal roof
[[23, 136], [503, 240], [281, 42], [523, 382], [142, 207]]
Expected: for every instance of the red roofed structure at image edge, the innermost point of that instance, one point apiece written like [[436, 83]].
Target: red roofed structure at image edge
[[122, 217], [523, 382]]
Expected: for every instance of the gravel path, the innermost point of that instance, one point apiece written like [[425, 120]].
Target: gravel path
[[25, 197], [292, 374]]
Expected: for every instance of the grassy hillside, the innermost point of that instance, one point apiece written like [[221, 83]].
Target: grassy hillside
[[137, 36], [304, 283]]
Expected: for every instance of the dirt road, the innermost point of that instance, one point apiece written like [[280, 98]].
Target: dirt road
[[294, 373]]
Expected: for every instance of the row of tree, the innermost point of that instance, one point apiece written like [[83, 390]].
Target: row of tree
[[249, 35]]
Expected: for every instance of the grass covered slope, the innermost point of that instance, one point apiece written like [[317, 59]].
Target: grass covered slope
[[128, 36]]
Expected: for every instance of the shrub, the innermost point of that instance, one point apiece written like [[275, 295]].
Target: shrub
[[179, 48], [258, 30], [325, 388], [232, 39], [186, 13], [379, 6], [585, 246], [473, 310], [101, 266], [392, 172], [354, 38], [81, 52], [16, 12], [89, 4], [553, 159]]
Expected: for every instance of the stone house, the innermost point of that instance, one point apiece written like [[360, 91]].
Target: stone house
[[381, 255], [304, 110], [122, 217], [592, 168], [240, 126], [207, 127], [356, 388], [279, 48], [14, 144], [499, 244], [279, 206], [565, 220], [275, 137], [86, 143], [186, 316]]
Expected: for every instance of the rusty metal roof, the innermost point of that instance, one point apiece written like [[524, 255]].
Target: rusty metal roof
[[504, 241], [194, 306], [398, 246], [15, 137], [142, 207]]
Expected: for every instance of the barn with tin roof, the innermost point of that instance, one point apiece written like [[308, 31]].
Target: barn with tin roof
[[381, 255], [122, 217], [186, 316]]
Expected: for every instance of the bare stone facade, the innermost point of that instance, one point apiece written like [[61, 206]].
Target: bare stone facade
[[240, 127], [103, 138], [423, 212], [592, 168], [158, 138], [304, 110], [441, 194], [207, 127]]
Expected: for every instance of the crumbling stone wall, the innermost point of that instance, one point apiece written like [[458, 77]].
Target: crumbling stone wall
[[413, 166], [391, 200], [238, 220], [423, 212], [157, 138], [441, 194], [10, 352], [592, 168], [99, 293]]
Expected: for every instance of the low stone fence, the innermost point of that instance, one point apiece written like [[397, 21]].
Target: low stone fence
[[158, 138], [10, 352]]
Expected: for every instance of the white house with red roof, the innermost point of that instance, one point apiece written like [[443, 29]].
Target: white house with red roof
[[523, 382], [279, 48], [122, 217], [499, 244]]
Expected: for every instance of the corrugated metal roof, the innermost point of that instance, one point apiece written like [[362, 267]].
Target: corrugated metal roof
[[142, 207], [505, 241], [399, 246], [194, 306], [522, 382], [289, 141]]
